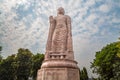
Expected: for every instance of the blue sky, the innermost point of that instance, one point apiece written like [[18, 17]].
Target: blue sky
[[24, 24]]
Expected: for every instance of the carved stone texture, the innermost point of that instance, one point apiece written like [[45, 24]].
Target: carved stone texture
[[59, 61], [58, 74], [60, 36]]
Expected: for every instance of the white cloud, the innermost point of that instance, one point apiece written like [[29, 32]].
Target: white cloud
[[7, 5], [90, 3], [23, 2], [104, 8], [91, 18], [115, 20]]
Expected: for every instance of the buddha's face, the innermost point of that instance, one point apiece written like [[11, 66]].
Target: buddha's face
[[60, 11]]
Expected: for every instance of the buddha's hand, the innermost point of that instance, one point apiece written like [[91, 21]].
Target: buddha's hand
[[51, 19]]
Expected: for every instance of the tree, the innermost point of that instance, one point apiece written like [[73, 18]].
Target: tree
[[7, 71], [24, 64], [116, 65], [107, 62], [20, 66], [0, 53], [37, 62], [83, 74], [0, 48]]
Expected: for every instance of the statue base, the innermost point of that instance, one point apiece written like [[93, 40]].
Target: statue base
[[58, 74], [58, 69]]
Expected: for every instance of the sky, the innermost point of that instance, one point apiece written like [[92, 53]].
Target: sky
[[25, 24]]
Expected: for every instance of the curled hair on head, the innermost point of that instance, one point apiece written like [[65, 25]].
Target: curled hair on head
[[61, 10]]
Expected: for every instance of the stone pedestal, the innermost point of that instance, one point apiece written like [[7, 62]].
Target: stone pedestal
[[58, 69], [58, 74]]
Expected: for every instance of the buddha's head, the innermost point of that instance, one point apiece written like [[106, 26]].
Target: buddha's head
[[60, 11]]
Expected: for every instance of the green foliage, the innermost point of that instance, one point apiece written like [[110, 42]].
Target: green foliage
[[20, 66], [0, 53], [118, 46], [24, 64], [0, 48], [94, 78], [37, 62], [106, 62], [7, 70], [0, 58], [83, 74]]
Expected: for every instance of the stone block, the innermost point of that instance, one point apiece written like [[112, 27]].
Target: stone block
[[58, 74]]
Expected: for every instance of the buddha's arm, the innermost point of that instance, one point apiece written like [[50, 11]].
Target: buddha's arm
[[69, 39], [51, 31]]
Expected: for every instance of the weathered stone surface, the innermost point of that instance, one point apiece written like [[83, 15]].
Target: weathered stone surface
[[58, 74], [60, 35], [56, 63], [59, 61]]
